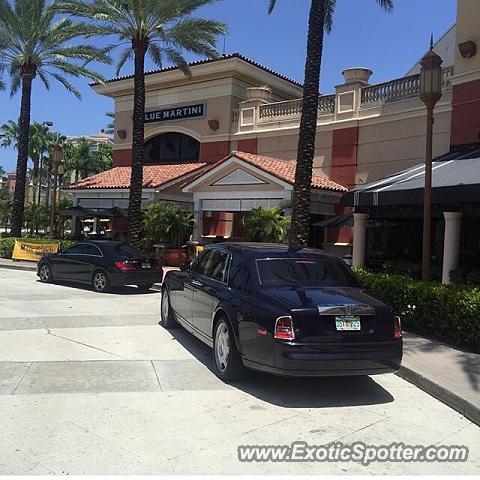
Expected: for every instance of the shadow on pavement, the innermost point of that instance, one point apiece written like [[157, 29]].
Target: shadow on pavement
[[127, 290], [307, 392]]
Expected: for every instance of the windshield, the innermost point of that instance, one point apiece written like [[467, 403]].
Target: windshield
[[292, 272]]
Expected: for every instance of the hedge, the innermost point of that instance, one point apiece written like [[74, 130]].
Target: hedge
[[7, 244], [449, 313]]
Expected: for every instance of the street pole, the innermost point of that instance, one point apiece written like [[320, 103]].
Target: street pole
[[427, 199], [54, 201]]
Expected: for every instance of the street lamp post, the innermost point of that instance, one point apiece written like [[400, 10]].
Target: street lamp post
[[47, 125], [431, 79], [58, 170]]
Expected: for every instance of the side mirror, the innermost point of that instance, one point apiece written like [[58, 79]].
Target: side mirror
[[185, 266]]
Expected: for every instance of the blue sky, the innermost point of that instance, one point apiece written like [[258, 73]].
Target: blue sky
[[363, 35]]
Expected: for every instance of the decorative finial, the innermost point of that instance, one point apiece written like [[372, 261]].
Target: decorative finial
[[431, 41]]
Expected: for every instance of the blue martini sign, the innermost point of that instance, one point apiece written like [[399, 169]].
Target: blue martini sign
[[175, 113]]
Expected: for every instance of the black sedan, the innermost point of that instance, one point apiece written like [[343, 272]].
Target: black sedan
[[292, 313], [102, 264]]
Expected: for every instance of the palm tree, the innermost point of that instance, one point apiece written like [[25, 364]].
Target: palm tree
[[82, 162], [2, 172], [320, 20], [35, 43], [110, 130], [40, 141], [266, 225], [163, 29]]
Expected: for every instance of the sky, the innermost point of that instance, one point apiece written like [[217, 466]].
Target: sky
[[363, 36]]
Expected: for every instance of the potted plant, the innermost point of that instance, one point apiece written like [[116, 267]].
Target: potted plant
[[266, 225], [166, 222]]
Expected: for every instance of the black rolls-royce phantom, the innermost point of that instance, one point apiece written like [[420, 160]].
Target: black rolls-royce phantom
[[289, 312]]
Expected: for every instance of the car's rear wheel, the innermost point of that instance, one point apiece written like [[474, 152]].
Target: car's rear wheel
[[100, 282], [145, 287], [227, 363], [45, 273], [167, 319]]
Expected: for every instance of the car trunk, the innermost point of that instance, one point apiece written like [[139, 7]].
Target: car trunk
[[319, 314]]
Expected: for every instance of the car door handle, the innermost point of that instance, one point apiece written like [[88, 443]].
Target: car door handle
[[196, 283]]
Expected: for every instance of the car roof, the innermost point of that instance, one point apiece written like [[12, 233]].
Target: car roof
[[261, 249]]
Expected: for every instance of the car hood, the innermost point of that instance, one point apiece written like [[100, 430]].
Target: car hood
[[311, 297]]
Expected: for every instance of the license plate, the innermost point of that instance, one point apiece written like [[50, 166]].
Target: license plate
[[145, 265], [347, 323]]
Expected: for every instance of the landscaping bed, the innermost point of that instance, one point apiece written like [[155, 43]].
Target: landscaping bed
[[448, 313]]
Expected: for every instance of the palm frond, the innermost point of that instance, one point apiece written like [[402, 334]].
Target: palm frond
[[271, 6]]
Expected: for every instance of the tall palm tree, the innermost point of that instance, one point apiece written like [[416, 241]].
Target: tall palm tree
[[40, 141], [320, 20], [81, 161], [163, 29], [35, 43]]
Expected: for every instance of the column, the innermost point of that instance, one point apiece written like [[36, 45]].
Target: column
[[198, 228], [359, 239], [451, 244]]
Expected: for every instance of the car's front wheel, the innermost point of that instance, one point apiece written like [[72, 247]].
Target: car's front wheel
[[45, 273], [100, 281], [167, 319], [227, 363]]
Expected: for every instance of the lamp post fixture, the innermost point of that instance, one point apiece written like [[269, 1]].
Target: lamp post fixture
[[58, 171], [431, 79]]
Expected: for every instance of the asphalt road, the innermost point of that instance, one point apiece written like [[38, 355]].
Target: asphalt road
[[91, 384]]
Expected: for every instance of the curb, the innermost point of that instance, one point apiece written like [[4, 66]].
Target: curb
[[466, 408], [24, 268]]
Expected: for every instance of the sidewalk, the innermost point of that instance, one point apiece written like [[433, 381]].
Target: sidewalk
[[18, 265], [451, 375]]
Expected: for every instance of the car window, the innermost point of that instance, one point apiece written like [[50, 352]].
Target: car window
[[124, 251], [217, 268], [89, 249], [325, 272], [240, 278], [73, 250], [200, 266]]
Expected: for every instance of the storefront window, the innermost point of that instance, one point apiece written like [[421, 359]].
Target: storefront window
[[172, 147]]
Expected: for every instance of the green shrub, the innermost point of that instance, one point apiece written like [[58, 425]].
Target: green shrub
[[7, 244], [450, 313], [266, 225], [466, 276]]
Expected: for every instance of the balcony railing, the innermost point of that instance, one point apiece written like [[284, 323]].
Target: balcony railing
[[293, 108], [399, 89]]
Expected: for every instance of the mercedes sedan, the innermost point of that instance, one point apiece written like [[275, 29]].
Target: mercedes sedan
[[103, 264], [287, 312]]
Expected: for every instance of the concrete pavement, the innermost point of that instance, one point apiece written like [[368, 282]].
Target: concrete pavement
[[90, 384]]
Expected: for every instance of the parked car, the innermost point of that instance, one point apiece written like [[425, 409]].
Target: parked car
[[101, 263], [292, 313]]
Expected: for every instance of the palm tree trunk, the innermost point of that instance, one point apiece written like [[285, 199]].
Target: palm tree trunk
[[23, 141], [136, 181], [308, 127]]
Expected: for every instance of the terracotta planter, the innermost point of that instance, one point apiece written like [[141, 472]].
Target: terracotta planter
[[174, 257]]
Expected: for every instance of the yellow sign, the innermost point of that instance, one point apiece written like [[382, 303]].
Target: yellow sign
[[32, 251]]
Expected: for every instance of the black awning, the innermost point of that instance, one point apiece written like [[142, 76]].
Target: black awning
[[455, 179], [340, 221], [76, 212], [114, 212]]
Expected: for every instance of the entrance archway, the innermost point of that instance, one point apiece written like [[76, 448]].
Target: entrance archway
[[172, 147]]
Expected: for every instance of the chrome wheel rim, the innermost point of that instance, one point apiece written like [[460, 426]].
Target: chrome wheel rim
[[165, 306], [222, 347], [100, 281], [44, 273]]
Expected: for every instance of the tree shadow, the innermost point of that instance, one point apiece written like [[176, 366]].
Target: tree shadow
[[295, 392]]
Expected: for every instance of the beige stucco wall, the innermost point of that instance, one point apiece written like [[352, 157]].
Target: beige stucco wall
[[468, 28]]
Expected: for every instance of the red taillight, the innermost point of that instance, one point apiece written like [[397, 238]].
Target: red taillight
[[124, 266], [284, 329], [397, 327]]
